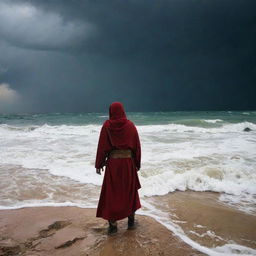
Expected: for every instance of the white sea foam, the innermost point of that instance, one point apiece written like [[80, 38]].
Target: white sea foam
[[36, 203], [174, 156], [212, 121], [207, 233], [244, 202], [235, 249], [236, 127]]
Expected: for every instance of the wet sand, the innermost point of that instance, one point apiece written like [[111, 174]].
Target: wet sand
[[207, 220], [75, 231]]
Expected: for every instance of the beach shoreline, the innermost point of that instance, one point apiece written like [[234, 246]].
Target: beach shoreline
[[72, 230], [68, 230], [207, 220]]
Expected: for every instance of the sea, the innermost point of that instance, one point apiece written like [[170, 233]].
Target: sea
[[48, 160]]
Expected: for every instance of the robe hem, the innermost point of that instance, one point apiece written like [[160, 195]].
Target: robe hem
[[119, 218]]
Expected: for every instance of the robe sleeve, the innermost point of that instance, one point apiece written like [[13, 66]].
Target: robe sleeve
[[103, 148], [137, 150]]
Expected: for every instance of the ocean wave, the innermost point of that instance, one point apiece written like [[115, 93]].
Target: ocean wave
[[234, 181], [5, 127], [213, 121], [174, 156], [82, 129], [50, 129], [234, 127]]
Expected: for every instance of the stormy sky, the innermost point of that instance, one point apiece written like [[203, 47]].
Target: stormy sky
[[152, 55]]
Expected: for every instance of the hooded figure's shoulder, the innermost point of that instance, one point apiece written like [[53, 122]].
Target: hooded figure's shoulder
[[128, 124], [105, 123], [131, 124]]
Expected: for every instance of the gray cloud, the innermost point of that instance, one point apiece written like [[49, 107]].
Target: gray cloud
[[10, 99], [24, 25], [7, 94]]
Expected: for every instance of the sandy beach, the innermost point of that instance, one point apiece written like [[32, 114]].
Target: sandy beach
[[76, 231]]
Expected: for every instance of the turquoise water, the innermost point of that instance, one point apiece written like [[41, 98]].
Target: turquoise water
[[140, 118]]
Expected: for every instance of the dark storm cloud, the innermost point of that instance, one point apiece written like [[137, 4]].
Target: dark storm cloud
[[152, 55]]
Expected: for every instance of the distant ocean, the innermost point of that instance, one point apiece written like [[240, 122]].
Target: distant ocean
[[48, 159]]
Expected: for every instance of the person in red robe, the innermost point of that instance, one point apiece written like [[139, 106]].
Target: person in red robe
[[119, 150]]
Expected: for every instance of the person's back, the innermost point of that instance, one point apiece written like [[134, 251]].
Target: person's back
[[119, 150]]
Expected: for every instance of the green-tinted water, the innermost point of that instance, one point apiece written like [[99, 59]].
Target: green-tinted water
[[198, 118]]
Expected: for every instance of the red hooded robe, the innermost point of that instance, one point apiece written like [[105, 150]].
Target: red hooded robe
[[119, 193]]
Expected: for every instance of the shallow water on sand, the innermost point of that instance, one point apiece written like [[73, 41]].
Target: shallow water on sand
[[207, 220], [196, 217], [34, 187]]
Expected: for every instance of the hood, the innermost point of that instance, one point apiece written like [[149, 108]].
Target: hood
[[116, 111], [117, 117]]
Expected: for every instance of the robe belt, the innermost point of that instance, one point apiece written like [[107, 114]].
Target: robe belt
[[120, 153]]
